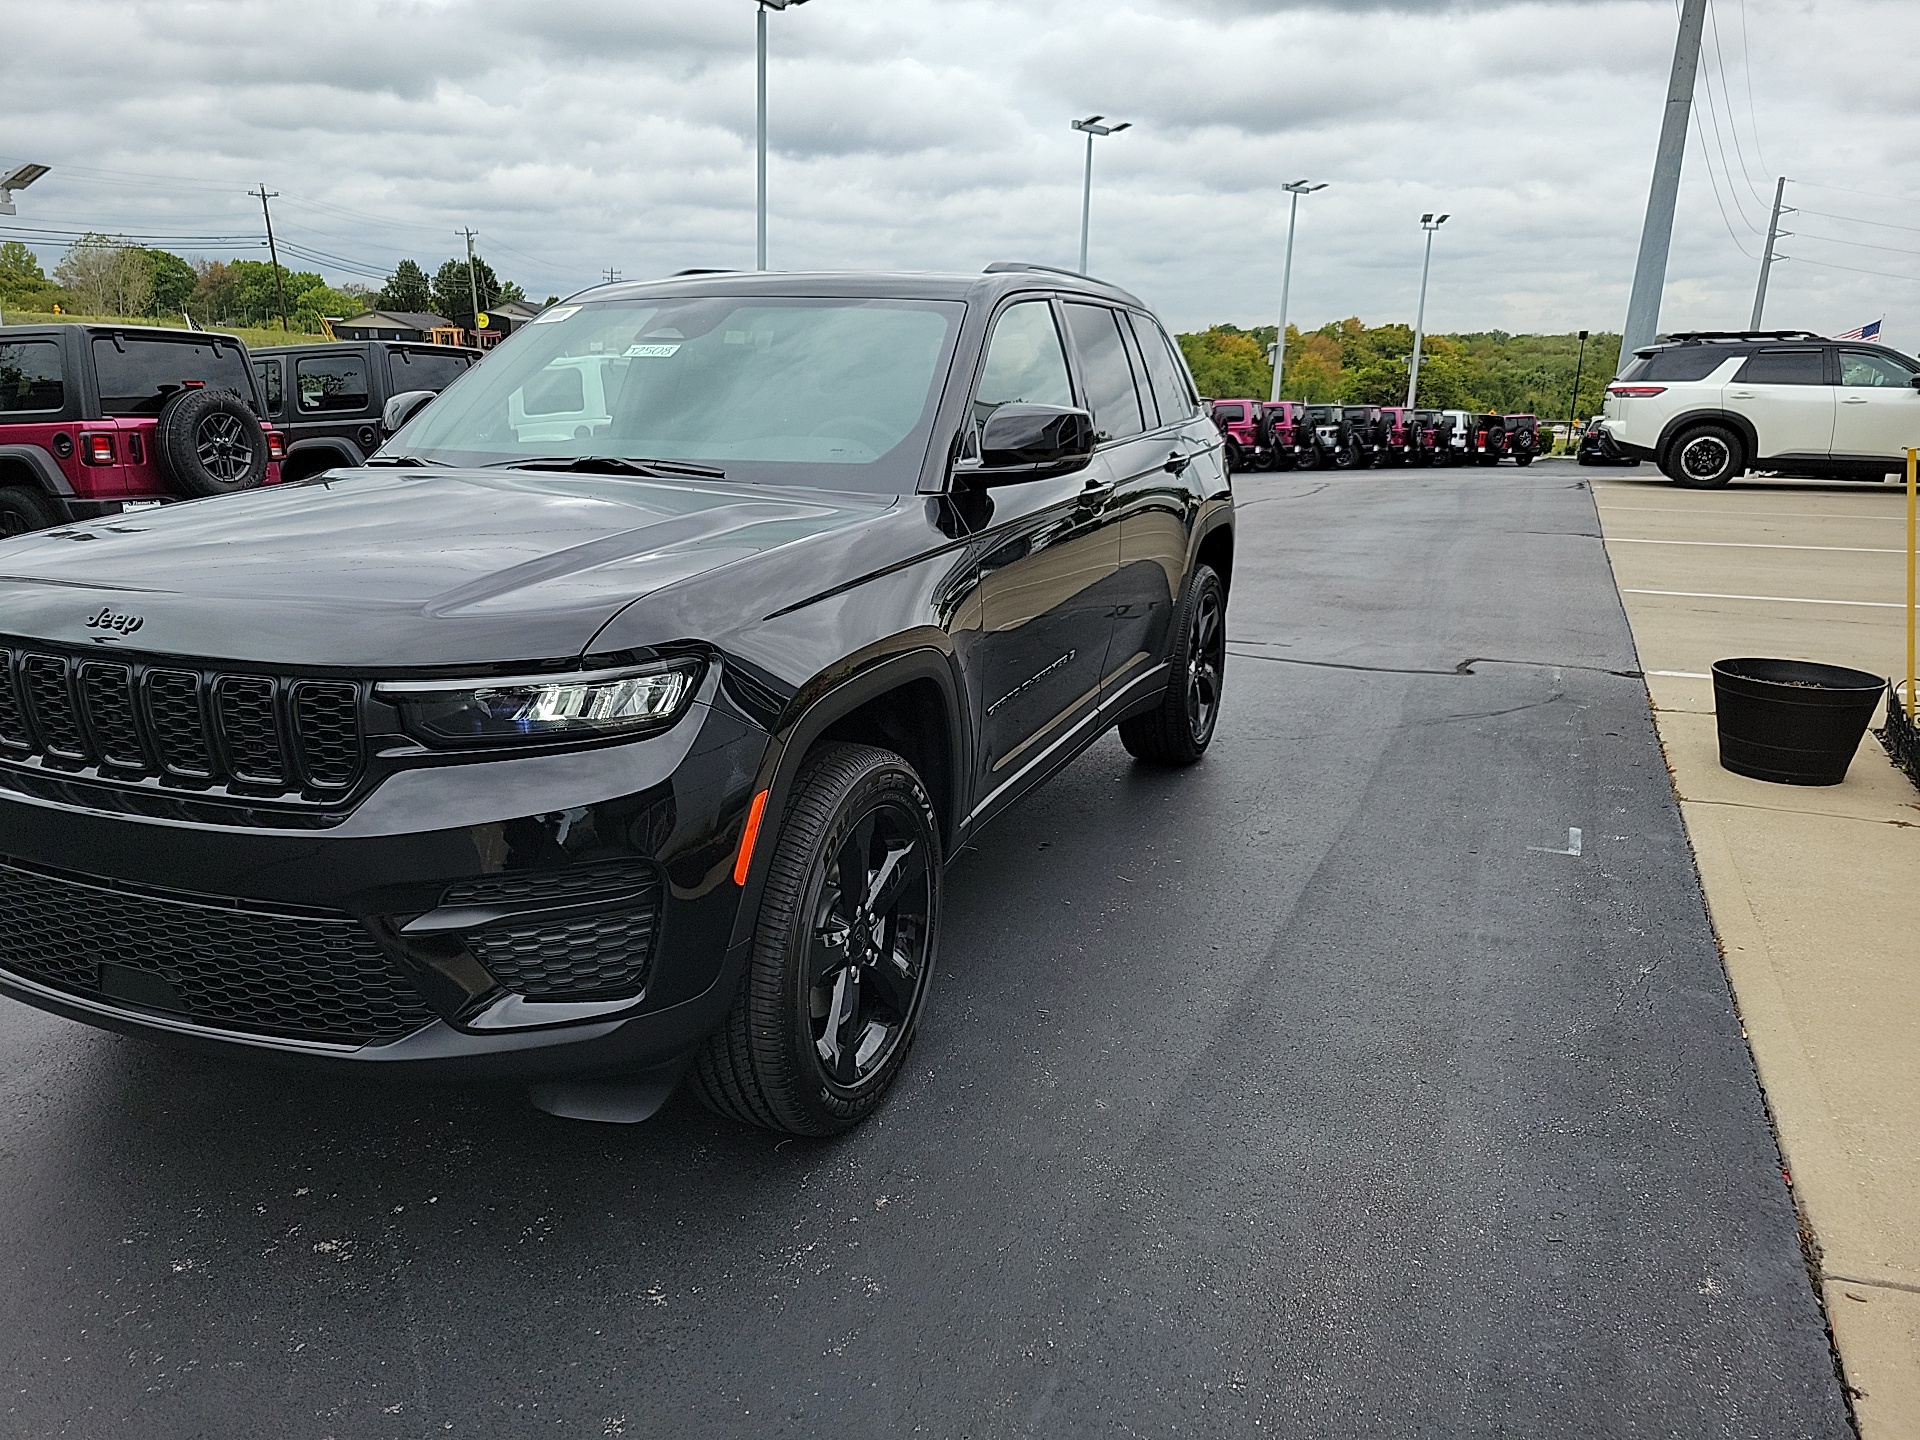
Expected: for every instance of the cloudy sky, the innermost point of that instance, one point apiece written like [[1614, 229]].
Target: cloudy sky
[[575, 135]]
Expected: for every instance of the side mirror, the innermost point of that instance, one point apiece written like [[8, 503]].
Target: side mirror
[[402, 408], [1916, 382], [1032, 442]]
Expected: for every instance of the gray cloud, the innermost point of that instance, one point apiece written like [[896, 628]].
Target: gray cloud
[[579, 134]]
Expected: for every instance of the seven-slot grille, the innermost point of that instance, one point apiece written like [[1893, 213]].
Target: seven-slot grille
[[256, 734]]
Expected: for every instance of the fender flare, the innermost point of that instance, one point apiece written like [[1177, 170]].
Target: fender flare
[[1733, 420], [41, 464], [797, 733], [349, 453]]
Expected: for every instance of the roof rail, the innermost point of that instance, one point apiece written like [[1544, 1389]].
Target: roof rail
[[1009, 267], [1689, 335], [708, 270]]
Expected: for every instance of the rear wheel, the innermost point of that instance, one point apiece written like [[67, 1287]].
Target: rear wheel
[[843, 949], [1705, 458], [1178, 731], [1309, 459], [1523, 460], [23, 511]]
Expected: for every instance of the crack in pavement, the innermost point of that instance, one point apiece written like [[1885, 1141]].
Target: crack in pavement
[[1465, 667]]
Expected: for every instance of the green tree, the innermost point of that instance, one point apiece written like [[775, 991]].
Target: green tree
[[452, 296], [173, 281], [407, 289], [20, 272], [106, 275], [322, 301], [1227, 363]]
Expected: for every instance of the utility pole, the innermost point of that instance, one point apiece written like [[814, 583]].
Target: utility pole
[[1092, 126], [1573, 402], [1766, 260], [760, 209], [473, 283], [1429, 223], [273, 253], [1656, 238], [1297, 188]]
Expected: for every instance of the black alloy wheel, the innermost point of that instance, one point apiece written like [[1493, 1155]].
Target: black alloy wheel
[[221, 443], [1706, 458], [1179, 729], [843, 951], [1347, 457], [1233, 459], [1309, 458]]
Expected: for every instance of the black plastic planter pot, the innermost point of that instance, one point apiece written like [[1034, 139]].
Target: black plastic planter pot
[[1792, 721]]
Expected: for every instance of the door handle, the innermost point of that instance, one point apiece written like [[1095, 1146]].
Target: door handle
[[1096, 491], [1740, 394], [1177, 463], [1854, 400]]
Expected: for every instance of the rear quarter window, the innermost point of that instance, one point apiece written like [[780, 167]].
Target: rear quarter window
[[1683, 363], [30, 377], [330, 384], [423, 370], [137, 373]]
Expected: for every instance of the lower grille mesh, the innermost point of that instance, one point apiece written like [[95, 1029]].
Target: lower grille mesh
[[292, 976], [597, 957]]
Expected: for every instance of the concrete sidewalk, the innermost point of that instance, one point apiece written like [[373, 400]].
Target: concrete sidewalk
[[1814, 893]]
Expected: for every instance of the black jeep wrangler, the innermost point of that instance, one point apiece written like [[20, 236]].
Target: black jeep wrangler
[[328, 398], [604, 754], [1522, 438]]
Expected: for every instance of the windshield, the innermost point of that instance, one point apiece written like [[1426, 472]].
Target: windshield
[[838, 394]]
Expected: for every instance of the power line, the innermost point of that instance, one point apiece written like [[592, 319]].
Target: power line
[[1850, 269], [1726, 99], [1746, 63], [1857, 220], [1706, 157]]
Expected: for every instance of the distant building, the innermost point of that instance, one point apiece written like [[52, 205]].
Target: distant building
[[390, 325], [501, 320]]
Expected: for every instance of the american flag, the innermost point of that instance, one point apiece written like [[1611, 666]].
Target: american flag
[[1865, 332]]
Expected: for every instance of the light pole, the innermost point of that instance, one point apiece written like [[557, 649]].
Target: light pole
[[1573, 405], [1429, 223], [18, 178], [1092, 126], [1296, 188], [760, 210]]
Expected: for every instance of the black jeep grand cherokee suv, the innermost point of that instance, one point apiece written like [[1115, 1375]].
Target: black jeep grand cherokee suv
[[615, 721]]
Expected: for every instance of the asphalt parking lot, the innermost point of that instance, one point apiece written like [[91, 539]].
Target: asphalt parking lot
[[1377, 1077]]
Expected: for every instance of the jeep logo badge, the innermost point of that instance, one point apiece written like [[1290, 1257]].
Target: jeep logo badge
[[109, 619]]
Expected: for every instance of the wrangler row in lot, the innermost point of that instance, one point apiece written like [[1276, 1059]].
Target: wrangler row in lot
[[1293, 435]]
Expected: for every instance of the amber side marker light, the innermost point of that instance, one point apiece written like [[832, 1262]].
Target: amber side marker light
[[755, 813]]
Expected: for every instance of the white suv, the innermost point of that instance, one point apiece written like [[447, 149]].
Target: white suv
[[1709, 407]]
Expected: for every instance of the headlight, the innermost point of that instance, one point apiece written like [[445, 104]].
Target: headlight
[[550, 707]]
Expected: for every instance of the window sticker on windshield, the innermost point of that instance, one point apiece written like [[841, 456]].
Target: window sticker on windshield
[[558, 312], [654, 352]]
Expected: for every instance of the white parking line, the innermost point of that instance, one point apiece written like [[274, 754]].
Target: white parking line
[[1739, 514], [1754, 545], [1682, 674], [1778, 599]]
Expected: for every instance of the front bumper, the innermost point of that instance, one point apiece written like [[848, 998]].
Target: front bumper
[[560, 913]]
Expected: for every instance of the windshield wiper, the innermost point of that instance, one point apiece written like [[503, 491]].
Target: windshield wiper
[[405, 460], [615, 465]]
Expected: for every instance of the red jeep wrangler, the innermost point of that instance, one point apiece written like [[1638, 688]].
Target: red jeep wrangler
[[98, 419], [1239, 421]]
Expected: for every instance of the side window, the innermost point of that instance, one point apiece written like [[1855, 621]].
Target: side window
[[1785, 367], [1683, 362], [1025, 361], [1170, 389], [330, 383], [424, 370], [270, 384], [1867, 367], [30, 377], [1104, 367]]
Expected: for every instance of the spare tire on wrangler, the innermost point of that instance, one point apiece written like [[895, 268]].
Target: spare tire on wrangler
[[210, 443]]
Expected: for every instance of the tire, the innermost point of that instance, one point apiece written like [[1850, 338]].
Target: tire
[[1309, 459], [1348, 457], [1178, 731], [1705, 458], [1486, 459], [1232, 459], [1523, 461], [209, 443], [784, 1059], [23, 511]]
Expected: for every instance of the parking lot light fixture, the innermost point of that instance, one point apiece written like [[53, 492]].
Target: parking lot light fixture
[[1091, 126], [1296, 188], [18, 178], [760, 208], [1429, 222]]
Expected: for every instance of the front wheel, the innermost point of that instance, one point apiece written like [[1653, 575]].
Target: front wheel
[[1705, 458], [23, 511], [843, 950], [1179, 729]]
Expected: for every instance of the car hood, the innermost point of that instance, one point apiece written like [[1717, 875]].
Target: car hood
[[372, 569]]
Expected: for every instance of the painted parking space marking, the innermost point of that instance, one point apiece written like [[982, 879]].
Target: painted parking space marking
[[1772, 599], [1756, 545]]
